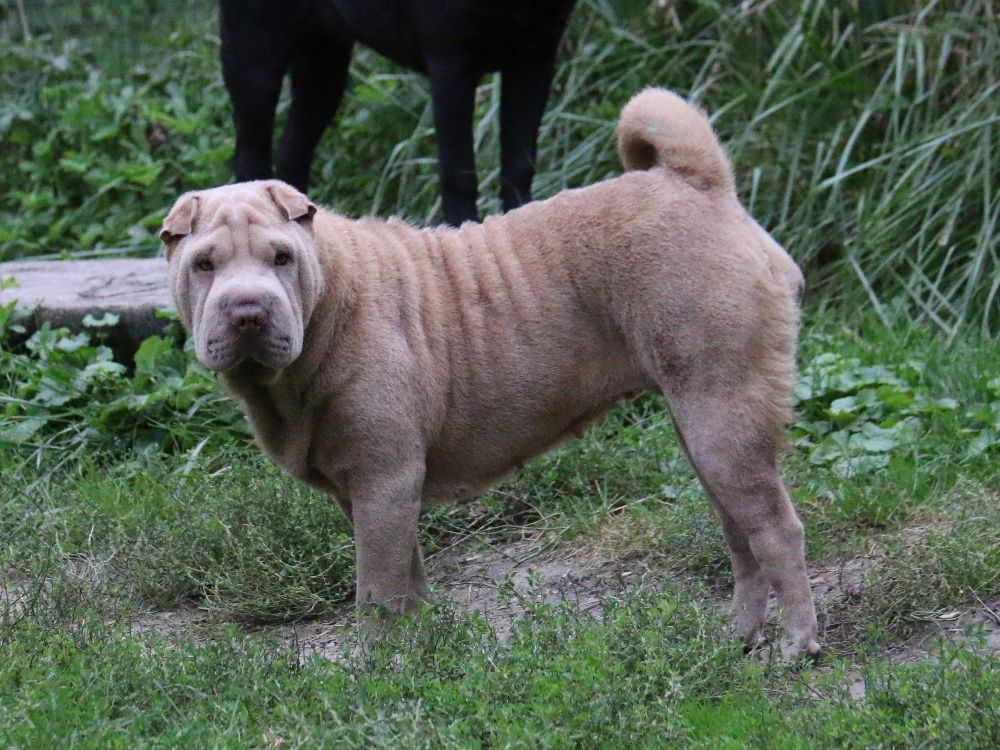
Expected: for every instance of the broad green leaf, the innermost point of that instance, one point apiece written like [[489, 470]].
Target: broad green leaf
[[21, 429], [105, 321], [867, 463]]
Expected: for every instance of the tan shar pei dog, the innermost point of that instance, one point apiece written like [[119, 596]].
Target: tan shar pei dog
[[398, 368]]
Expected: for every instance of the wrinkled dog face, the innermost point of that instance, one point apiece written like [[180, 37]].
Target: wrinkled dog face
[[243, 272]]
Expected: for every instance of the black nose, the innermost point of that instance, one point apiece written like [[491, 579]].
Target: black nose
[[248, 316]]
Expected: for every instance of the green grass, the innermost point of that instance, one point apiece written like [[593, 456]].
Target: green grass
[[654, 673], [864, 137], [92, 537]]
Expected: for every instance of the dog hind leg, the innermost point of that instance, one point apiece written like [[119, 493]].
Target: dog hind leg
[[750, 584], [733, 445]]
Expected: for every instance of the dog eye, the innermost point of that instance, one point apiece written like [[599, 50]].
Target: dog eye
[[204, 264], [282, 258]]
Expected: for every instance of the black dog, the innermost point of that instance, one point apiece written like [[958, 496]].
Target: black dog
[[453, 42]]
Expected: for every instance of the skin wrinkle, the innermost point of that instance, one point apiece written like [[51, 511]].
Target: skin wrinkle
[[457, 267], [466, 266], [430, 319], [435, 361], [498, 242], [497, 324], [477, 316], [487, 329], [521, 295], [411, 292], [441, 356], [516, 284], [453, 298], [386, 292], [496, 296]]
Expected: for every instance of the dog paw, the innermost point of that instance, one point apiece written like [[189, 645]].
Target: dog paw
[[801, 654]]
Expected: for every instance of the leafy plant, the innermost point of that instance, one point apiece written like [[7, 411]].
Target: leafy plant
[[65, 389], [984, 422], [853, 416]]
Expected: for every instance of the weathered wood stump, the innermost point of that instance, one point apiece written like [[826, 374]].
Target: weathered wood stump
[[64, 292]]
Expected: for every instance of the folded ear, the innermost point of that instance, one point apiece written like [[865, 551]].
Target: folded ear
[[180, 221], [293, 204]]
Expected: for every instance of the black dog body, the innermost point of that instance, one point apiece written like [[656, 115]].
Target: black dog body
[[453, 42]]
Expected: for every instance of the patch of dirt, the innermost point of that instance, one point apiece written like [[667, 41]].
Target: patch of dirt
[[835, 585], [497, 581], [500, 580], [187, 621], [15, 597], [978, 629]]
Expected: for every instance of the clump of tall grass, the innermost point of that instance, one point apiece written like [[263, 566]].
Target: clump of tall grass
[[864, 135]]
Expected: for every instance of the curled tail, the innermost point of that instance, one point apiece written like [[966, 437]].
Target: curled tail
[[657, 128]]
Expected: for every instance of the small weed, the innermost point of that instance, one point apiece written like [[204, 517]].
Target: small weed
[[248, 543]]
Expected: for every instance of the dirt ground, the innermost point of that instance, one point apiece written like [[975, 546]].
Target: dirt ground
[[498, 581]]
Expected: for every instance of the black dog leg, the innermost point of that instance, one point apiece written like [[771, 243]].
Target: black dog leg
[[453, 92], [319, 77], [523, 94], [254, 60]]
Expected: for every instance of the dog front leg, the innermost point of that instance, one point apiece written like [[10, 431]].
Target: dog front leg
[[385, 509], [453, 91], [254, 55], [319, 77], [524, 91]]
